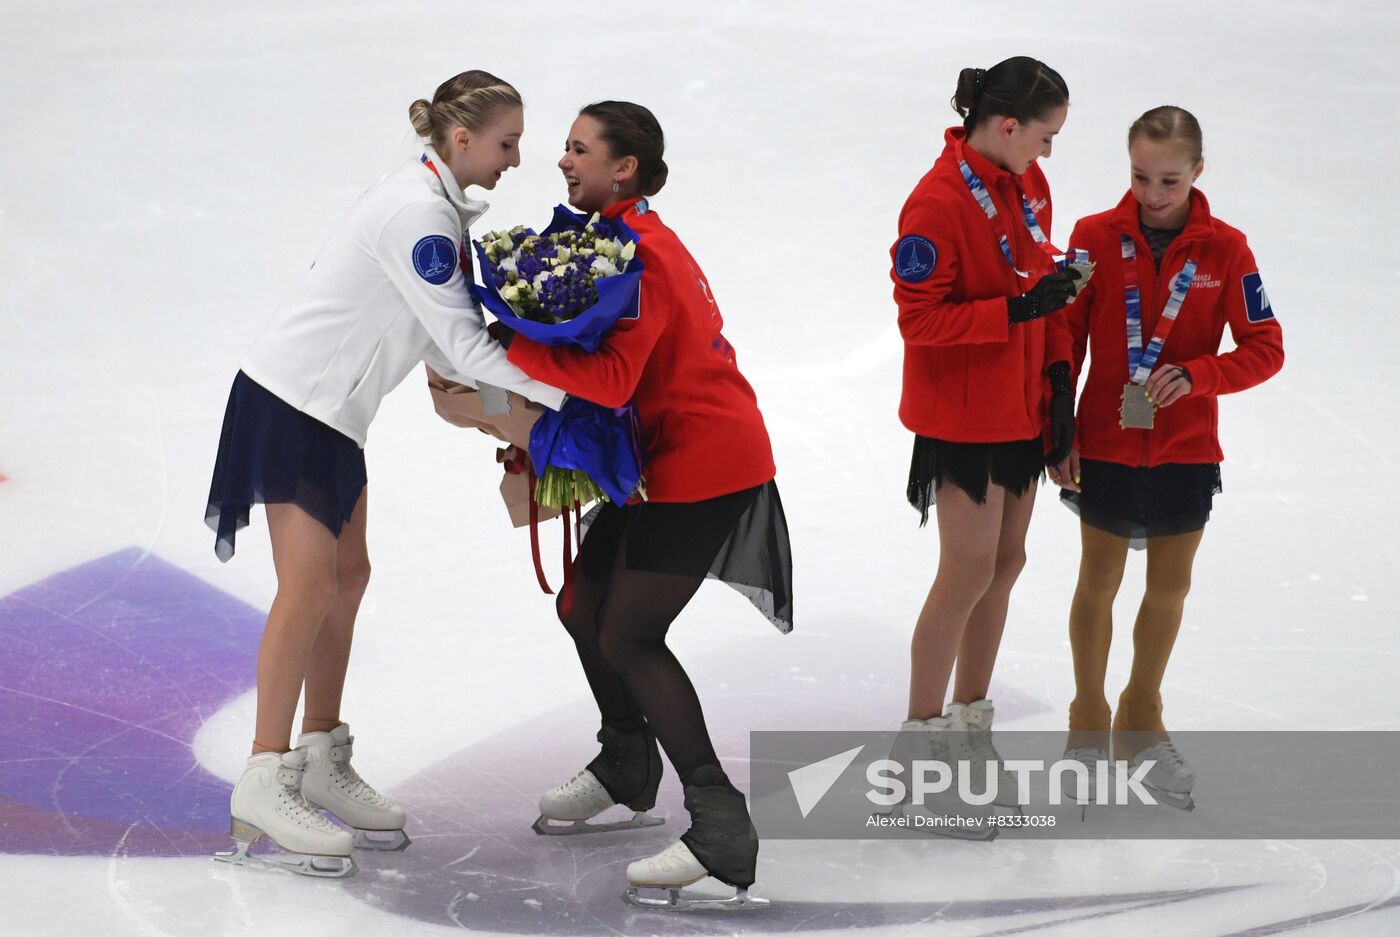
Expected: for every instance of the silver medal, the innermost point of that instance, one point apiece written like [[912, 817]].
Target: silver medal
[[1137, 411]]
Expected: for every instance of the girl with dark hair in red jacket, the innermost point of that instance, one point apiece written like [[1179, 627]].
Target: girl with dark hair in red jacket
[[1146, 461], [974, 274], [712, 509]]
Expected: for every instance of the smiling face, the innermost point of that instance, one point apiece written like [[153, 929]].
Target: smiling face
[[590, 169], [481, 157], [1163, 172]]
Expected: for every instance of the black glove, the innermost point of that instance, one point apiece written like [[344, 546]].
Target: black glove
[[1061, 413], [1051, 294], [501, 333]]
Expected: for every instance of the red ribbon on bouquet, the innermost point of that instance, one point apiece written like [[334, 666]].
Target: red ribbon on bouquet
[[521, 463]]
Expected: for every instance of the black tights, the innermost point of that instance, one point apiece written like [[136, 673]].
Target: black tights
[[619, 626]]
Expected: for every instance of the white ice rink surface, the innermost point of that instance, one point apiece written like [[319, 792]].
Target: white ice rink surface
[[168, 168]]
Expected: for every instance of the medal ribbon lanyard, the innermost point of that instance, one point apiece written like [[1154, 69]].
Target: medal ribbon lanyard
[[978, 188], [1140, 360]]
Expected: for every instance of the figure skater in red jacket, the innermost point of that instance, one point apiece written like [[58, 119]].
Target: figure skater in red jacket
[[1145, 466], [712, 509], [974, 275]]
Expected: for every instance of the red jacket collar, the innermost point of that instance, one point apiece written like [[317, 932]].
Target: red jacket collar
[[955, 145], [618, 209], [1198, 220]]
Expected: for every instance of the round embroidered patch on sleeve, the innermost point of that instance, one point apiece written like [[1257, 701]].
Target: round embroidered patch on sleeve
[[915, 258], [435, 257]]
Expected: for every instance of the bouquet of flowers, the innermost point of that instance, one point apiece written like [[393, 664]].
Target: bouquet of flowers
[[568, 285]]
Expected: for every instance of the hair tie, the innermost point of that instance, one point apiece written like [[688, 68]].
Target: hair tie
[[979, 77]]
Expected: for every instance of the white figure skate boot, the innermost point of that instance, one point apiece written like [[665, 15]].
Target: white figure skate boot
[[974, 721], [332, 784], [945, 813], [267, 801]]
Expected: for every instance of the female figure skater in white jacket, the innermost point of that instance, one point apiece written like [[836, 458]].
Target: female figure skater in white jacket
[[387, 292]]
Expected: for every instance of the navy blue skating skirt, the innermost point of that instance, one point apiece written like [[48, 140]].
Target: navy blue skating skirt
[[1138, 503], [272, 453]]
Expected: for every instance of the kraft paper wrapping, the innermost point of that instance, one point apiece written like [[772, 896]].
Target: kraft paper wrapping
[[463, 406], [515, 488]]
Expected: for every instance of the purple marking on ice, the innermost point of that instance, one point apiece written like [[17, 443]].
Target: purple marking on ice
[[109, 670]]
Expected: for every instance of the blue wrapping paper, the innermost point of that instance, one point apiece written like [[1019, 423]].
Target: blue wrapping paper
[[618, 296], [603, 442]]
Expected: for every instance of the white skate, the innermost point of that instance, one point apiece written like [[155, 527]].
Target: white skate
[[1069, 782], [1171, 779], [267, 801], [566, 809], [670, 871], [944, 814], [332, 783], [974, 720]]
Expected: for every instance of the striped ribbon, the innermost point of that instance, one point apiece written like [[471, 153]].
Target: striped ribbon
[[978, 188], [1141, 360], [468, 266]]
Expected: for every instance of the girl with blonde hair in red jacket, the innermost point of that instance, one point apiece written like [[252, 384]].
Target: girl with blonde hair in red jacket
[[1170, 278]]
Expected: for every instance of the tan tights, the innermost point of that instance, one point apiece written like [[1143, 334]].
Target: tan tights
[[320, 582], [1169, 561]]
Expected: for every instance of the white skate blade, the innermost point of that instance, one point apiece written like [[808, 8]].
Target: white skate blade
[[1172, 799], [313, 866], [673, 898], [547, 826], [382, 840]]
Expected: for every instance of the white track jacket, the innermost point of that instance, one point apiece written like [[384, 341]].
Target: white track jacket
[[386, 292]]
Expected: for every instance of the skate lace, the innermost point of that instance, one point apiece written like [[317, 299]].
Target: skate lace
[[979, 742], [1166, 756], [926, 746], [1087, 755], [675, 856], [349, 780], [295, 807], [580, 785]]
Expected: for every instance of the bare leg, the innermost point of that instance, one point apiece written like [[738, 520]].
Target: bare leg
[[977, 652], [330, 655], [1169, 561], [304, 555], [1101, 562], [968, 533]]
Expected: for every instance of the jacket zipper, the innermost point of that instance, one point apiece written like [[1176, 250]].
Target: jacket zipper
[[1156, 289], [1177, 247], [1019, 235]]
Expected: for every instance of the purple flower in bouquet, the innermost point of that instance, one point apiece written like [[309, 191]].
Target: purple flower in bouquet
[[569, 285], [552, 277]]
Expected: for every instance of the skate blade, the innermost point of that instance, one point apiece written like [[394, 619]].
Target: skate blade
[[1182, 802], [675, 899], [312, 866], [546, 826], [382, 840]]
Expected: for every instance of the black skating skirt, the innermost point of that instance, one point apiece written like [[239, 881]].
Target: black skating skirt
[[740, 539], [272, 453], [1138, 502], [971, 466]]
